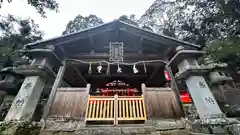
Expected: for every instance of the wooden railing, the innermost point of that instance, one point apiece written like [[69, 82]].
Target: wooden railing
[[131, 108], [115, 109], [100, 108]]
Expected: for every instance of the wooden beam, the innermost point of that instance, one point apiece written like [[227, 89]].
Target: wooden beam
[[81, 36], [115, 75], [153, 36], [174, 86], [127, 56], [140, 35], [152, 41], [69, 37], [76, 63], [56, 84]]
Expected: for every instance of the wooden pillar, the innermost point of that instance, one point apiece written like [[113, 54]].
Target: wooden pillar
[[56, 84], [86, 93], [174, 86], [144, 90]]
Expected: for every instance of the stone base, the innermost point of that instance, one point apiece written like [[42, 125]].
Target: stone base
[[19, 128], [118, 131], [220, 126], [151, 127], [233, 129]]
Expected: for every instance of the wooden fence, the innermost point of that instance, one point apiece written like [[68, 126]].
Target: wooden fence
[[69, 104], [115, 109]]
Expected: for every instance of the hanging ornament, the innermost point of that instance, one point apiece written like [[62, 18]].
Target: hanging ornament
[[119, 70], [90, 68], [135, 70], [99, 68]]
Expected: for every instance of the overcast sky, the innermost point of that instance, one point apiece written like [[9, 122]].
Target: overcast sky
[[52, 26]]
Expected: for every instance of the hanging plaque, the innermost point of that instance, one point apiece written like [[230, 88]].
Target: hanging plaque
[[116, 51]]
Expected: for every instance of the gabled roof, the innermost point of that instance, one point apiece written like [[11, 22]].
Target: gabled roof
[[115, 25]]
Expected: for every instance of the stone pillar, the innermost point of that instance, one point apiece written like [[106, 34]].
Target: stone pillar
[[202, 96], [190, 71], [28, 96]]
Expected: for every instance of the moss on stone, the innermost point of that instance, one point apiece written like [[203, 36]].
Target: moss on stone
[[18, 128]]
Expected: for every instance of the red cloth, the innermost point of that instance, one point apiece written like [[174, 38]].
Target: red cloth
[[185, 98], [167, 77], [107, 91]]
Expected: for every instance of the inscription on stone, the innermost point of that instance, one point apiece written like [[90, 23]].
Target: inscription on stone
[[202, 85], [209, 100], [27, 85], [19, 102]]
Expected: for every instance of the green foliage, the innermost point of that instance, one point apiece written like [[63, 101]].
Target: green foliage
[[16, 32], [40, 5], [19, 128], [225, 50], [129, 19], [213, 24], [80, 23]]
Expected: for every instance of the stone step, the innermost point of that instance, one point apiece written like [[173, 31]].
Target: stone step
[[118, 131]]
